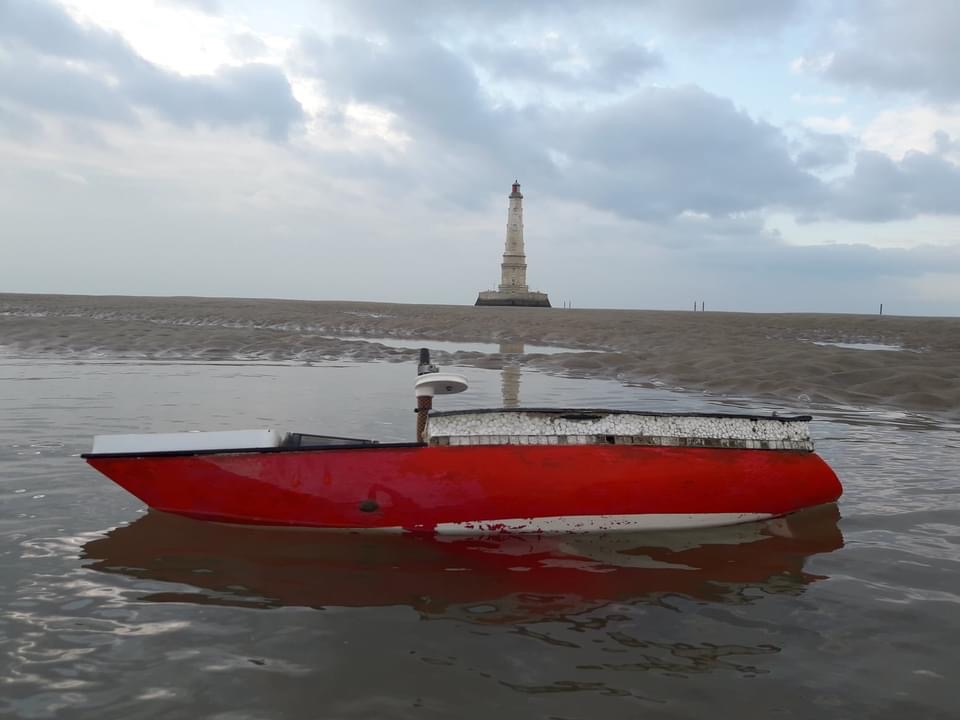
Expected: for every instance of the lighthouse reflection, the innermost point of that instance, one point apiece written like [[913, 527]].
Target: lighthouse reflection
[[489, 580], [510, 374]]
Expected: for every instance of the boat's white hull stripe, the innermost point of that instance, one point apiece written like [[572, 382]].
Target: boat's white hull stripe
[[561, 524], [598, 523]]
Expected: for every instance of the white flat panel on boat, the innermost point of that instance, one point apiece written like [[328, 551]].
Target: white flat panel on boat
[[187, 441]]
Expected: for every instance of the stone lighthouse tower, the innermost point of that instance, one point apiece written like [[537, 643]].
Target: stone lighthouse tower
[[513, 288]]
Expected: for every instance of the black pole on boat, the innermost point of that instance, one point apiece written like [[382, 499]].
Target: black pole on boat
[[425, 401], [425, 367]]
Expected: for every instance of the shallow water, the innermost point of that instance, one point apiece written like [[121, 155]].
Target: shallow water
[[112, 612], [862, 346], [451, 346]]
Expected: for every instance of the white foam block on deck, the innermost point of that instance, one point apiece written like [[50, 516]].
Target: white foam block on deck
[[187, 441], [602, 422]]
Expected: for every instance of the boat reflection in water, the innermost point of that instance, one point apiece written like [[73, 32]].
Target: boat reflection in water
[[501, 579]]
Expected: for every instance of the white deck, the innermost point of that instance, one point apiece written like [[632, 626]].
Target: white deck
[[187, 441]]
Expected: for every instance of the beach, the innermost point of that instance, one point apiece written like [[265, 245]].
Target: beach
[[114, 611], [798, 361]]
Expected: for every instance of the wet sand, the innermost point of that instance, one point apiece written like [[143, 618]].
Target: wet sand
[[773, 357]]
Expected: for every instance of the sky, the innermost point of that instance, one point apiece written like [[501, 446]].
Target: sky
[[789, 156]]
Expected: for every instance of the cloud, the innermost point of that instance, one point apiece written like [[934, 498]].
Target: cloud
[[433, 96], [47, 29], [938, 287], [831, 125], [210, 7], [603, 67], [423, 83], [252, 94], [665, 151], [881, 189], [18, 125], [845, 277], [817, 99], [896, 132], [654, 154], [944, 144], [895, 45], [731, 16], [819, 151], [51, 63], [732, 263], [247, 45], [51, 86], [841, 260], [848, 276]]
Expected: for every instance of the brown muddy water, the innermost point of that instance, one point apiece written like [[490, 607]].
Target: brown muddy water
[[109, 611]]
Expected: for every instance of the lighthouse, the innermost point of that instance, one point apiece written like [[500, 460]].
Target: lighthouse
[[513, 289]]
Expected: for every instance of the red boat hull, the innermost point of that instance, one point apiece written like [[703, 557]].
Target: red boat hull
[[512, 488]]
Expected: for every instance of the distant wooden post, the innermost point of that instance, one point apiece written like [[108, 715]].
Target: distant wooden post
[[881, 308]]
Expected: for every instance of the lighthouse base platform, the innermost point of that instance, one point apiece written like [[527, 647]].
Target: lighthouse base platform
[[512, 299]]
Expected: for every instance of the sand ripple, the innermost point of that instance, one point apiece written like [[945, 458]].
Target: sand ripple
[[755, 355]]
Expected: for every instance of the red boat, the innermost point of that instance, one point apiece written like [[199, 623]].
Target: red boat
[[483, 471]]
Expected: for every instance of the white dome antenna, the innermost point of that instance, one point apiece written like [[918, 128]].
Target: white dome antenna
[[430, 382], [439, 384]]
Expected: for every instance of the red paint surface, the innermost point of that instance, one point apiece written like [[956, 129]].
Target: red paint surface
[[419, 487]]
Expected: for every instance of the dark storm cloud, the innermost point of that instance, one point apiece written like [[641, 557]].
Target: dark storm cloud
[[900, 45], [50, 62]]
